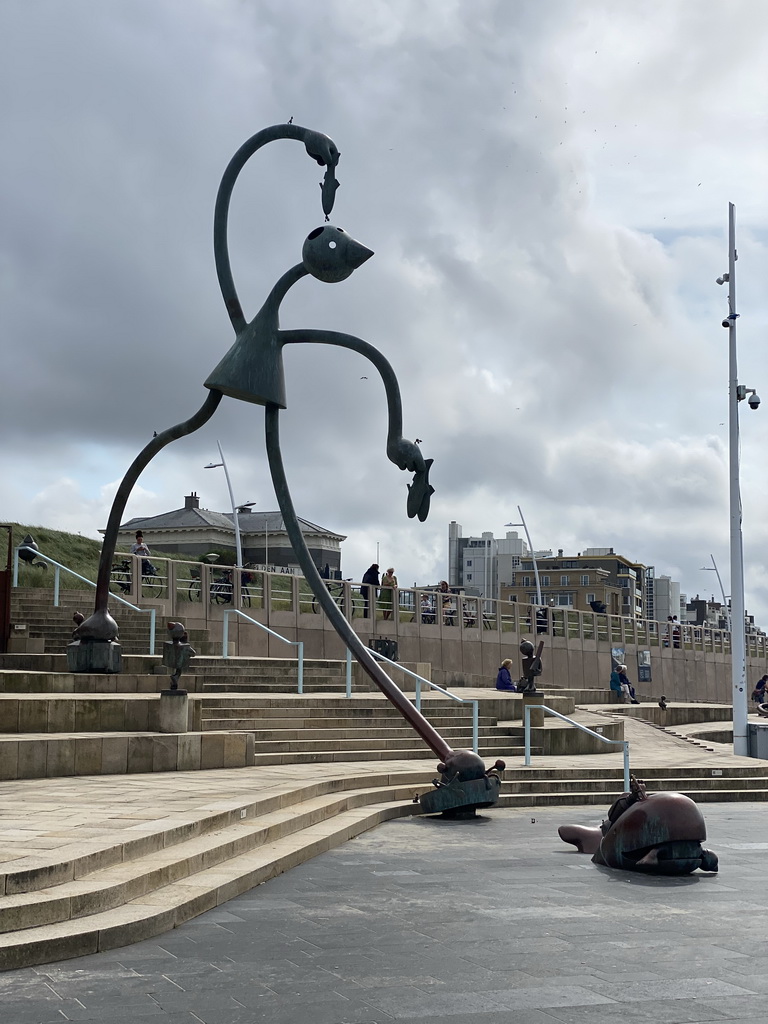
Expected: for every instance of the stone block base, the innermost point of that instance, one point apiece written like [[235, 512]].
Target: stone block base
[[94, 656]]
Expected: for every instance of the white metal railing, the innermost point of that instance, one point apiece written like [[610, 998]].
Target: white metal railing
[[427, 611], [56, 589], [298, 644], [446, 693], [603, 739]]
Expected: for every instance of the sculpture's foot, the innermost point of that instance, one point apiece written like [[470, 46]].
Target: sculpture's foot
[[464, 785], [100, 626], [585, 839]]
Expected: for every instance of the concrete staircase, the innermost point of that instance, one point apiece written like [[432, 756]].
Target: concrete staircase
[[108, 895], [112, 895], [335, 729], [31, 608]]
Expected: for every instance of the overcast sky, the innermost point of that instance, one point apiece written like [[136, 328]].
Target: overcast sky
[[546, 188]]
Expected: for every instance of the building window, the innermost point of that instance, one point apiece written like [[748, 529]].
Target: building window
[[526, 581], [590, 598], [545, 581], [564, 581], [565, 599], [469, 577], [585, 581], [469, 563]]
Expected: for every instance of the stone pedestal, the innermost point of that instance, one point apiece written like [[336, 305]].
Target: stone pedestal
[[94, 656], [174, 710], [534, 701]]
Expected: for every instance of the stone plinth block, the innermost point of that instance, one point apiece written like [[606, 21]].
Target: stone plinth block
[[534, 701], [94, 656], [174, 710]]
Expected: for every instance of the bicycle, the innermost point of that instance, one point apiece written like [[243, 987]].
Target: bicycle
[[336, 590], [221, 588], [151, 586]]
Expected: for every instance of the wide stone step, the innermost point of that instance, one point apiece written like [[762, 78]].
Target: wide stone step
[[118, 883], [489, 753], [162, 909], [612, 787], [556, 798], [369, 736], [260, 723]]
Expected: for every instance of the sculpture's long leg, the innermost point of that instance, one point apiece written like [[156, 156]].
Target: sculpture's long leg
[[142, 460], [431, 737]]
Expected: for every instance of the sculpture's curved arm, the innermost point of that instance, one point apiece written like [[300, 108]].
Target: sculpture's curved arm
[[431, 737], [144, 457], [318, 146], [405, 454]]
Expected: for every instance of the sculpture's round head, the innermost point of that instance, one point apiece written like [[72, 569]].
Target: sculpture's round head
[[526, 648], [330, 254]]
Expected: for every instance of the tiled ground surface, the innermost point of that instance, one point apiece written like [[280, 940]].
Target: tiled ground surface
[[491, 922]]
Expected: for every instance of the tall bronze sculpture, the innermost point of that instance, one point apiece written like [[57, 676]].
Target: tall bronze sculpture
[[252, 371]]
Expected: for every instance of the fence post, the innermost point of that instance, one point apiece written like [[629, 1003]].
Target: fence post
[[300, 646], [475, 729], [527, 715], [348, 674]]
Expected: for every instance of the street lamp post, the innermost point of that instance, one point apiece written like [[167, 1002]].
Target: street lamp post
[[235, 513], [736, 393], [533, 553], [713, 568]]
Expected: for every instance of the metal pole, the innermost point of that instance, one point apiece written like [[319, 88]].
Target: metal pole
[[527, 716], [225, 634], [266, 544], [738, 641], [626, 765], [475, 729], [722, 591], [348, 674], [235, 516], [300, 646], [533, 556]]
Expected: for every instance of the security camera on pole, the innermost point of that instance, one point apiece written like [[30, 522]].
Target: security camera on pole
[[736, 393]]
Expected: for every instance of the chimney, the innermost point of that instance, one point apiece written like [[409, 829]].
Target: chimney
[[559, 552], [191, 500]]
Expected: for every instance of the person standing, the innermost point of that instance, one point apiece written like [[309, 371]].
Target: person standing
[[448, 603], [387, 593], [141, 549], [370, 578]]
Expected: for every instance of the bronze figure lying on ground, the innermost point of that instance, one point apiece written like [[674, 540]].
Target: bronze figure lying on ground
[[659, 834]]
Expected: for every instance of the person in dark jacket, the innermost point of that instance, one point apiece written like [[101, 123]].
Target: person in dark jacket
[[504, 678], [370, 578], [759, 696]]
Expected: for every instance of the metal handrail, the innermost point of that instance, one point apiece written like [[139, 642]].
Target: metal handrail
[[299, 644], [527, 713], [56, 593], [417, 702]]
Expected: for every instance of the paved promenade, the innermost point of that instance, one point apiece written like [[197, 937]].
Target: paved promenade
[[491, 922]]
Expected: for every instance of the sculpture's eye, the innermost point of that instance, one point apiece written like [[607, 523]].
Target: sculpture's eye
[[331, 245]]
